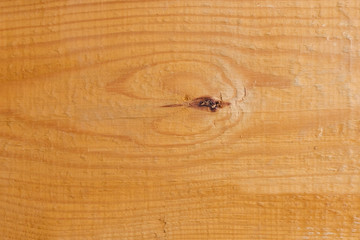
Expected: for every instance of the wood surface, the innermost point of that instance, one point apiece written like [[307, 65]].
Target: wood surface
[[87, 150]]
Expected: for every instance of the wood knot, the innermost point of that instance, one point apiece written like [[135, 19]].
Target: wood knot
[[204, 102], [208, 102]]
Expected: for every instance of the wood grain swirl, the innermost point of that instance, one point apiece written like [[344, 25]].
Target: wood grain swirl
[[87, 150]]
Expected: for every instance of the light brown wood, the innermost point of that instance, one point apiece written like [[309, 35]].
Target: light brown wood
[[88, 152]]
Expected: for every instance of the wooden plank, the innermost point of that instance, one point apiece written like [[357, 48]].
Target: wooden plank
[[259, 139]]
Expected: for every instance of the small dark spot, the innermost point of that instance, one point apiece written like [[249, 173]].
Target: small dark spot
[[163, 221]]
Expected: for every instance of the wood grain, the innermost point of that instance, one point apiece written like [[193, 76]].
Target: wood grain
[[87, 151]]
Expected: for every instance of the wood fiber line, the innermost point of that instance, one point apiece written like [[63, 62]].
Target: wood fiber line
[[177, 120]]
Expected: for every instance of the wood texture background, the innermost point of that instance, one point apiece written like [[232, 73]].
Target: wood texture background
[[87, 151]]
